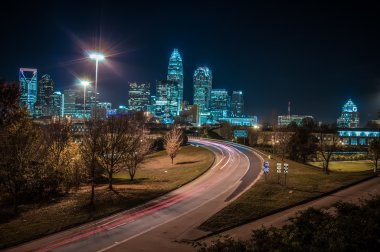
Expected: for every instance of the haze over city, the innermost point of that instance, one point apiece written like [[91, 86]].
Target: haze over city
[[316, 55]]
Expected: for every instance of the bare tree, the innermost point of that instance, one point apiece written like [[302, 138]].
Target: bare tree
[[173, 142], [326, 148], [116, 141], [139, 147], [374, 151], [90, 152]]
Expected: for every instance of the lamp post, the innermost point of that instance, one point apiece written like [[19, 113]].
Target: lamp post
[[84, 84], [97, 57]]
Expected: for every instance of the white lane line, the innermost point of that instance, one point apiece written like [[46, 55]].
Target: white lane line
[[178, 216]]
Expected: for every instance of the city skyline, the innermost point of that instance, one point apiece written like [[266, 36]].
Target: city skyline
[[295, 63]]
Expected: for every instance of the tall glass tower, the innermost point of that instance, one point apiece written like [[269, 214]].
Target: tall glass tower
[[220, 103], [28, 88], [59, 103], [175, 73], [237, 104], [45, 99], [202, 81], [167, 96]]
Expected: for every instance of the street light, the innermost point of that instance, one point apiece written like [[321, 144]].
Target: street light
[[84, 83], [97, 57]]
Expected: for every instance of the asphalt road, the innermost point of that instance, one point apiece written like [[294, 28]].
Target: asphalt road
[[159, 224]]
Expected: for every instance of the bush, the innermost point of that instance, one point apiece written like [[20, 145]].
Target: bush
[[158, 144], [352, 228]]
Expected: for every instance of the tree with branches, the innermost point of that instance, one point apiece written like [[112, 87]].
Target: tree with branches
[[90, 150], [22, 153], [326, 148], [374, 151], [173, 141], [116, 141], [140, 145]]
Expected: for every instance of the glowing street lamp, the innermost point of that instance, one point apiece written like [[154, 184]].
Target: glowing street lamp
[[97, 57], [84, 84]]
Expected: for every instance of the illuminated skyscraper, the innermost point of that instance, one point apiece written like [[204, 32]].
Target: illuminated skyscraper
[[175, 72], [139, 96], [167, 97], [45, 100], [237, 104], [220, 103], [349, 117], [202, 81], [59, 103], [71, 97], [28, 88]]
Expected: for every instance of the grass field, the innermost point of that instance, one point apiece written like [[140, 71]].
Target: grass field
[[303, 182], [347, 166], [157, 176]]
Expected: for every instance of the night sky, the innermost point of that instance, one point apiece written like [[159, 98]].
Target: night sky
[[314, 54]]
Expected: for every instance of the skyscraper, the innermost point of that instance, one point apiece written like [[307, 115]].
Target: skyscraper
[[70, 109], [167, 97], [139, 96], [202, 81], [58, 101], [349, 117], [28, 88], [45, 100], [220, 103], [175, 72], [237, 104]]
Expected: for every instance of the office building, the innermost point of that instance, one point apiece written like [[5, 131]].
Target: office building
[[58, 104], [285, 120], [139, 96], [237, 104], [349, 117], [202, 83], [240, 121], [167, 97], [28, 88], [45, 101], [70, 103], [175, 72], [220, 103]]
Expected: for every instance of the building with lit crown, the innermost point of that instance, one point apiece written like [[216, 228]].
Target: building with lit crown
[[237, 104], [139, 96], [175, 73], [202, 83], [28, 88], [349, 117]]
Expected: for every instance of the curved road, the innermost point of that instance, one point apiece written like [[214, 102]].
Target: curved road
[[158, 224]]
